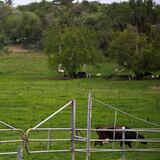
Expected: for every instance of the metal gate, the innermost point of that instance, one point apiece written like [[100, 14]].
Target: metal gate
[[24, 141]]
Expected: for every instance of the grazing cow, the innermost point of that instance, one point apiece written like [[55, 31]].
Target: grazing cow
[[106, 135], [79, 75]]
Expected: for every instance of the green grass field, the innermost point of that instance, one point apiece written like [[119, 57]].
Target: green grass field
[[28, 94]]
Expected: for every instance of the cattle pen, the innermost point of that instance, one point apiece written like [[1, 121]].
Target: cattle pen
[[25, 141]]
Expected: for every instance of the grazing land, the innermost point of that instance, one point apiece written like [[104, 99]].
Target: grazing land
[[29, 94]]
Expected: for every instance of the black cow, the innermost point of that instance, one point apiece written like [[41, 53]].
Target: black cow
[[117, 135]]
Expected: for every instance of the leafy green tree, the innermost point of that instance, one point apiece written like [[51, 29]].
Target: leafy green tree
[[143, 15], [157, 14], [31, 29], [71, 48], [132, 51], [3, 41], [119, 14], [5, 11], [23, 27], [156, 50], [26, 24], [12, 25], [97, 21]]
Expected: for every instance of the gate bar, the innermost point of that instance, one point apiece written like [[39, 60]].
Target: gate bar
[[120, 150], [7, 125], [59, 110]]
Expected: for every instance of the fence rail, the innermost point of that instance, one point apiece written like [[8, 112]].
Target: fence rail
[[17, 141]]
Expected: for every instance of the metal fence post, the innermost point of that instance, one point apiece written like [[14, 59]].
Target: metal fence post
[[123, 143], [19, 153], [136, 140], [115, 121], [89, 118], [49, 137], [73, 129]]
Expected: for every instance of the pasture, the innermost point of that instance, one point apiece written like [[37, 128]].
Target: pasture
[[29, 94]]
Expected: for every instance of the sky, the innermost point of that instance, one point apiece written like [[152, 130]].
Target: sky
[[23, 2]]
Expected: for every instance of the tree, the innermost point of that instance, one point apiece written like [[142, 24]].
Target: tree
[[12, 25], [23, 27], [132, 51], [156, 49], [71, 48], [5, 11], [3, 41], [157, 13], [143, 15], [119, 14], [9, 2], [31, 29]]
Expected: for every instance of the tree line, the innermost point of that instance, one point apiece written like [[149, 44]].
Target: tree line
[[74, 34]]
